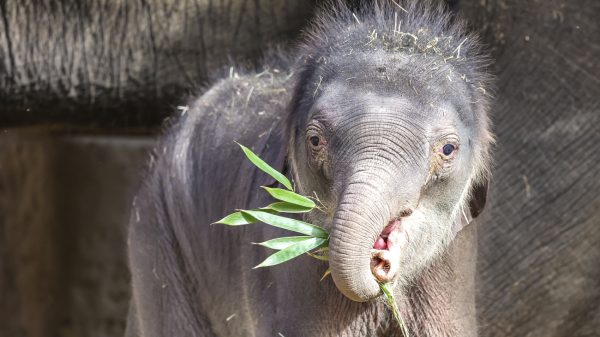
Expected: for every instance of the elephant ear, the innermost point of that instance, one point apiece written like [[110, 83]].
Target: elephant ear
[[478, 198], [475, 205], [281, 166], [274, 152]]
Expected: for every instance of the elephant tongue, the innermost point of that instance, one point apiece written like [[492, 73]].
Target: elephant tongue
[[382, 241]]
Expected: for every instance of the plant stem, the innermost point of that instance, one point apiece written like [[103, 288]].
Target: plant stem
[[391, 302]]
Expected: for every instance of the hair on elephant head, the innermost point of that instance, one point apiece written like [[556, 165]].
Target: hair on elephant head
[[389, 128]]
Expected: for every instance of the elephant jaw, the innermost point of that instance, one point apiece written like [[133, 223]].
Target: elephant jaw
[[385, 255]]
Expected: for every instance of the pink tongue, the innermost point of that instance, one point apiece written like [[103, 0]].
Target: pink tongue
[[380, 243]]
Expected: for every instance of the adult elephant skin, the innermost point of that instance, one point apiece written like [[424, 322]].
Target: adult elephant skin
[[538, 272], [123, 63], [116, 68]]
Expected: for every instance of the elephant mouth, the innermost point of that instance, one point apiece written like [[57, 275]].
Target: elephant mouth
[[385, 255]]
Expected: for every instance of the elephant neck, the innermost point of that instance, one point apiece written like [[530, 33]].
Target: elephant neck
[[442, 300]]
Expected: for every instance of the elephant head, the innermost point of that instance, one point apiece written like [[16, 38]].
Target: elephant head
[[393, 138]]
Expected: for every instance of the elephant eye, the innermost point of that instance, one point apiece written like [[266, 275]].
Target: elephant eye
[[448, 149], [316, 141]]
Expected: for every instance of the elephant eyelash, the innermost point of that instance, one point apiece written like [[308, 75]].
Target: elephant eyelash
[[446, 139], [315, 129], [441, 164], [316, 142], [448, 150]]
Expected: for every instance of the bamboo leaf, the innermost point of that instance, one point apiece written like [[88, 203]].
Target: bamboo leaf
[[291, 252], [321, 253], [261, 164], [286, 207], [324, 257], [287, 223], [236, 219], [327, 273], [290, 197], [284, 242], [324, 249]]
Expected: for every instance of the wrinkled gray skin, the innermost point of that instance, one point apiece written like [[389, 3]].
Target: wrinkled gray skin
[[125, 62], [537, 267], [382, 107], [537, 252]]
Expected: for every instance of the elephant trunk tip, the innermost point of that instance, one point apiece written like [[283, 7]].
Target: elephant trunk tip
[[358, 276]]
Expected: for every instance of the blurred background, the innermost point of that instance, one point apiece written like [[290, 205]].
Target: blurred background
[[86, 85], [84, 89]]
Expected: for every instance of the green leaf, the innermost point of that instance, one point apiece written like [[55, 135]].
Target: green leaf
[[391, 302], [327, 273], [261, 164], [284, 242], [286, 207], [324, 257], [324, 250], [322, 253], [289, 224], [291, 252], [290, 197], [236, 219]]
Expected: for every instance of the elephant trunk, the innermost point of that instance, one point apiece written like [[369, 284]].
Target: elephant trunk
[[359, 219]]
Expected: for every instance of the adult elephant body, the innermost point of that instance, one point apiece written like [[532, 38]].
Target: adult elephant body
[[538, 271], [123, 63]]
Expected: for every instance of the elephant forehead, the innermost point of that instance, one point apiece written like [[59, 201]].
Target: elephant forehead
[[344, 105], [423, 88]]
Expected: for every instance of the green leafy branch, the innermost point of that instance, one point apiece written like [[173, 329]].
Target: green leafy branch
[[315, 238], [314, 241]]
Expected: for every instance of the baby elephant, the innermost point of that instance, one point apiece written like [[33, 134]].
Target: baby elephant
[[383, 114]]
